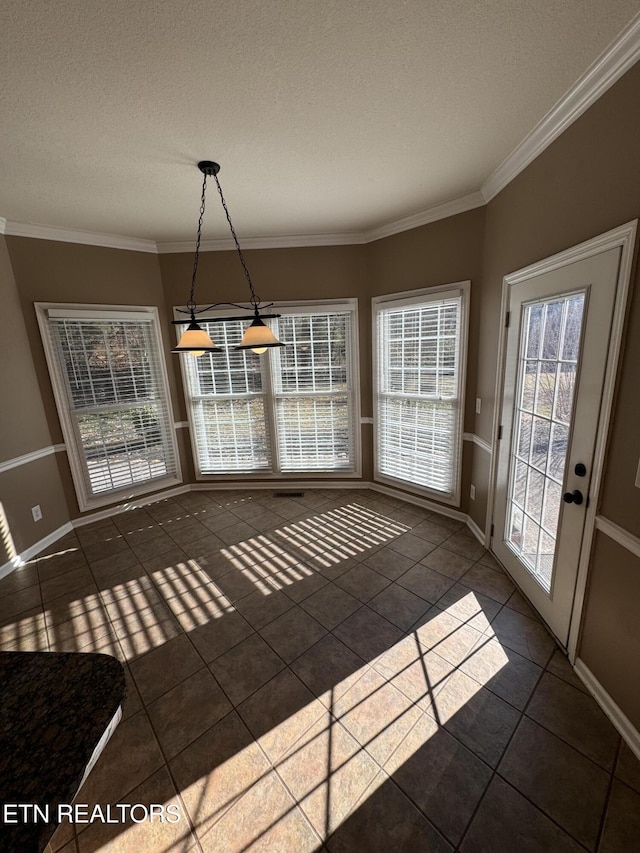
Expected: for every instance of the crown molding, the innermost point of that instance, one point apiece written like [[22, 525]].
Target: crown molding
[[83, 238], [284, 242], [424, 217], [616, 60]]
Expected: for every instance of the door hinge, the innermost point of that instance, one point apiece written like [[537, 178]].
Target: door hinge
[[500, 432], [507, 319], [492, 529]]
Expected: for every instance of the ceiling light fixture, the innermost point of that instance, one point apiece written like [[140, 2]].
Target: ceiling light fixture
[[258, 337]]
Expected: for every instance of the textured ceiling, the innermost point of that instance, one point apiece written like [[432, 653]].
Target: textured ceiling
[[328, 116]]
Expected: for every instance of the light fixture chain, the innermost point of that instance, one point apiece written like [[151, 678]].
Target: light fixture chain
[[255, 300], [191, 303]]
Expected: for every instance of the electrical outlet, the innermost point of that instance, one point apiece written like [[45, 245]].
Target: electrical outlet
[[36, 512], [472, 492], [478, 405]]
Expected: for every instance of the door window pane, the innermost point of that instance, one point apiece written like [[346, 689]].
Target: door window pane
[[547, 370]]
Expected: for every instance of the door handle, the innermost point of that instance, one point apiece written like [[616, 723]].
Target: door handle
[[574, 497]]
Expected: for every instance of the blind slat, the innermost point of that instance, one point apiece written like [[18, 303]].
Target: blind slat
[[312, 381], [310, 406], [111, 372], [418, 379]]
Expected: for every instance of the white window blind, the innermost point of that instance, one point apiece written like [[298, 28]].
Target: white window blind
[[419, 388], [289, 410], [108, 376], [227, 405], [312, 388]]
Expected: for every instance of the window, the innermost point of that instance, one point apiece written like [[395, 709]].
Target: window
[[291, 410], [110, 386], [420, 351]]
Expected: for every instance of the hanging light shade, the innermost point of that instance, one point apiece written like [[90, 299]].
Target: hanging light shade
[[195, 341], [258, 336]]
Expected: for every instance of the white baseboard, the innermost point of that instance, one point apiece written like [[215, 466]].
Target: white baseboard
[[91, 518], [136, 503], [30, 552], [423, 503], [624, 726], [479, 534], [278, 485]]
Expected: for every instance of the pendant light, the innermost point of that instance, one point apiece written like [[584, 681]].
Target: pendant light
[[194, 339], [258, 337]]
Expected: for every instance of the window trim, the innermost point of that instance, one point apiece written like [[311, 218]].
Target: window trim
[[86, 501], [348, 304], [408, 298]]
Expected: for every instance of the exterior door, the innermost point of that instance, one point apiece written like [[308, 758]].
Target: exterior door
[[556, 357]]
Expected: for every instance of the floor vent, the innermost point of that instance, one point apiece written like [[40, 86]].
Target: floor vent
[[288, 494]]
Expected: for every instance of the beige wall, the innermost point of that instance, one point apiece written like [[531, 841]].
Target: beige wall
[[23, 429], [585, 183], [611, 640], [23, 425], [440, 253], [46, 271]]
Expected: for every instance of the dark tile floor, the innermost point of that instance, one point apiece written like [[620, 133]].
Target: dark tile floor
[[340, 672]]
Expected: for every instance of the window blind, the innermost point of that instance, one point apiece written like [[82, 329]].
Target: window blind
[[227, 403], [289, 410], [110, 383], [418, 348], [312, 389]]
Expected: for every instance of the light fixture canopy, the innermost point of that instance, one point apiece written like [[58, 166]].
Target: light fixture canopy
[[195, 340]]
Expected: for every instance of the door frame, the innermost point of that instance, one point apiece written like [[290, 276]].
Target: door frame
[[623, 237]]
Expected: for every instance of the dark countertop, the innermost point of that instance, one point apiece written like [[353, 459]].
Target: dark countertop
[[54, 709]]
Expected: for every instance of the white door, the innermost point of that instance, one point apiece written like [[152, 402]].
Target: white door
[[556, 357]]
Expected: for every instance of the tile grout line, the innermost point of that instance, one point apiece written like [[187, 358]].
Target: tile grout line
[[295, 603], [165, 764], [607, 799]]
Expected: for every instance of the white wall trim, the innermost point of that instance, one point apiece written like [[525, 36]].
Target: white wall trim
[[423, 503], [91, 518], [618, 58], [618, 534], [623, 237], [479, 442], [26, 458], [278, 485], [621, 54], [292, 241], [624, 726], [286, 241], [127, 506], [83, 238], [30, 552], [424, 217], [477, 532]]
